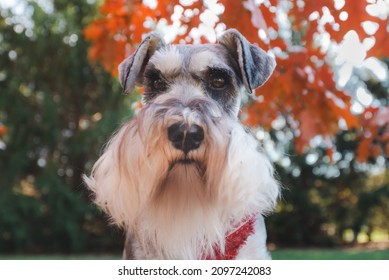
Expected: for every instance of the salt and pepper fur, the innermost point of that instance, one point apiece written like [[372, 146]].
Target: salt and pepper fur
[[176, 206]]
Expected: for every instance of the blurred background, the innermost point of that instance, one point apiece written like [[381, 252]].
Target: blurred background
[[323, 117]]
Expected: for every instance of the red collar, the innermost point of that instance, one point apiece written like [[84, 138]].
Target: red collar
[[235, 240]]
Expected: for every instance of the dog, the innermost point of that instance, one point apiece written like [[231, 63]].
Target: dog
[[184, 178]]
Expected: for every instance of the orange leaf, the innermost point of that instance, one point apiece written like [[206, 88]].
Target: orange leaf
[[309, 127], [237, 16], [3, 130], [94, 30], [363, 150], [112, 6], [375, 133], [357, 13]]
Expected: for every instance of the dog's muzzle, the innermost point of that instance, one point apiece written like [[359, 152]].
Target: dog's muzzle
[[185, 137]]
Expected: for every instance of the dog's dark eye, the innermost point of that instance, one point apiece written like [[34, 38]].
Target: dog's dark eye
[[155, 82], [217, 78], [159, 84], [218, 82]]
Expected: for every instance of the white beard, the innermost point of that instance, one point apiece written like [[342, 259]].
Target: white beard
[[174, 209]]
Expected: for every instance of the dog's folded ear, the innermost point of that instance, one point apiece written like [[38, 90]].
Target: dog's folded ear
[[255, 64], [131, 69]]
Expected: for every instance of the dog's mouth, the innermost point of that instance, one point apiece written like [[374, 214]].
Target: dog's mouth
[[187, 161]]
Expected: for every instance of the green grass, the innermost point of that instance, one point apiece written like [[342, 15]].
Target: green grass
[[278, 254], [60, 257], [329, 254]]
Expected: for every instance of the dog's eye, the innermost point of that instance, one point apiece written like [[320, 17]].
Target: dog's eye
[[217, 78], [159, 84], [218, 82], [155, 82]]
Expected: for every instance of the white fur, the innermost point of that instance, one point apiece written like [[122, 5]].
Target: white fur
[[172, 209], [256, 244], [167, 60], [202, 60], [182, 213]]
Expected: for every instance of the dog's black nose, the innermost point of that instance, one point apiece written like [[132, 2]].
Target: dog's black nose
[[184, 137]]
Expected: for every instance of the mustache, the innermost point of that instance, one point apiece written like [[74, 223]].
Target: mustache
[[187, 161]]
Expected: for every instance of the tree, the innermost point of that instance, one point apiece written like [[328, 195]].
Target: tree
[[303, 90], [56, 111]]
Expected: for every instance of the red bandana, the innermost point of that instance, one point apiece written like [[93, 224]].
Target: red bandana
[[235, 240]]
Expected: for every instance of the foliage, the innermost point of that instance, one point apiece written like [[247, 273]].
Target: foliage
[[302, 89], [58, 110], [324, 199]]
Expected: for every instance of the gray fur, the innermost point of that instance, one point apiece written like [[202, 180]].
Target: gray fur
[[255, 64], [131, 69], [252, 65]]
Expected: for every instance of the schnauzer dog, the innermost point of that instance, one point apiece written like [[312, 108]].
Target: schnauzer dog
[[184, 178]]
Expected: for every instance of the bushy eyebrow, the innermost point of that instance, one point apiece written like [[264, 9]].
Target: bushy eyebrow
[[169, 61], [225, 71], [152, 71]]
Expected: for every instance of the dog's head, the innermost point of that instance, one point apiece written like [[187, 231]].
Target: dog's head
[[219, 71], [197, 83]]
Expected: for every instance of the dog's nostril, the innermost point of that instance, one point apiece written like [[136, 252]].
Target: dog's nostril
[[195, 133], [176, 132], [185, 138]]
